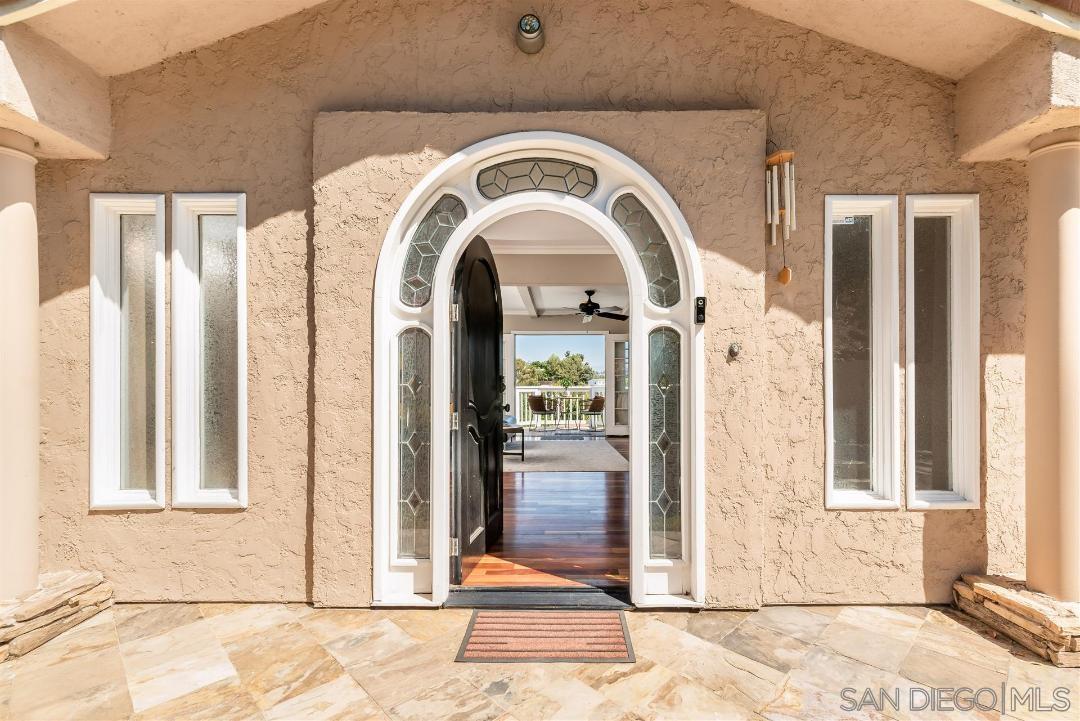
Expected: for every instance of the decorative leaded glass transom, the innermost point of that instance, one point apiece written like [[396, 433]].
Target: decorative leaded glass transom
[[414, 444], [515, 176], [425, 246], [665, 444], [652, 248]]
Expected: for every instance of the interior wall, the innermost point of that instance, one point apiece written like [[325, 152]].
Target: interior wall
[[239, 115]]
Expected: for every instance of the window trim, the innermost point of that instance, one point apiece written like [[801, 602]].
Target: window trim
[[964, 310], [885, 353], [106, 332], [187, 350]]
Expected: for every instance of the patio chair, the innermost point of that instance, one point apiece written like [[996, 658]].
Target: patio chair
[[541, 408], [595, 413]]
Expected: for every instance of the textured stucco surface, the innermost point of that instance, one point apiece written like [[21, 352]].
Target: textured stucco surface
[[52, 97], [921, 33], [150, 31], [240, 116], [1030, 88]]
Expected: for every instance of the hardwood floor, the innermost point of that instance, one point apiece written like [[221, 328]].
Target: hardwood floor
[[560, 529], [621, 444]]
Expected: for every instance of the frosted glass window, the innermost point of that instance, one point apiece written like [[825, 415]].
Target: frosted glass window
[[933, 356], [127, 347], [209, 351], [218, 318], [665, 445], [414, 444], [944, 369], [652, 247], [862, 352], [425, 245], [138, 306], [852, 357]]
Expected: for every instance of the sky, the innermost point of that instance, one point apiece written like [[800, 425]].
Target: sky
[[540, 347]]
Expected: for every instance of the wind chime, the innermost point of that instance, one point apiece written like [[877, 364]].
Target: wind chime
[[780, 203]]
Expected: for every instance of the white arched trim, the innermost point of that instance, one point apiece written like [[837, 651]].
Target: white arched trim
[[422, 582]]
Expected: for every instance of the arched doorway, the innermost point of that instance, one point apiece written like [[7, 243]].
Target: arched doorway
[[477, 187]]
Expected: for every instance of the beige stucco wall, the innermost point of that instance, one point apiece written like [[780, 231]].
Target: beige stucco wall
[[1031, 87], [50, 96], [240, 116]]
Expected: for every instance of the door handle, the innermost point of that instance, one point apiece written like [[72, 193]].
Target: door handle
[[506, 407]]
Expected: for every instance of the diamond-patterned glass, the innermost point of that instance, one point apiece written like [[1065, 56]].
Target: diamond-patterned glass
[[424, 248], [652, 248], [515, 176], [414, 444], [665, 467]]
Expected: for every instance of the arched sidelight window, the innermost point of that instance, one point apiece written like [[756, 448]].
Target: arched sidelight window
[[631, 215], [665, 445], [425, 245], [515, 176], [414, 444]]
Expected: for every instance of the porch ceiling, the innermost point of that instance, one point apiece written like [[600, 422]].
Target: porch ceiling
[[947, 37], [118, 36]]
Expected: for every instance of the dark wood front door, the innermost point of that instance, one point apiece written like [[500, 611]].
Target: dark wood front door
[[478, 401]]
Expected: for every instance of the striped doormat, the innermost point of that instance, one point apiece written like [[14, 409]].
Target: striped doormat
[[546, 636]]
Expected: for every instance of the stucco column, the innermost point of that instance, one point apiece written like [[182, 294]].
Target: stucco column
[[1052, 368], [19, 395]]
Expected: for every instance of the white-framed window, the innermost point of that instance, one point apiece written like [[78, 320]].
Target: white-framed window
[[861, 339], [942, 319], [209, 336], [127, 351]]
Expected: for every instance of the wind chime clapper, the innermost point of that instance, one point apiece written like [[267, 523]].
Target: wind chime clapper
[[780, 203]]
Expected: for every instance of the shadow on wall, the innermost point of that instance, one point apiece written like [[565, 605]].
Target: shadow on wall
[[942, 562]]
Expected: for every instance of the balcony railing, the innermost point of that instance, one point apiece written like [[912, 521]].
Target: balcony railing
[[569, 403]]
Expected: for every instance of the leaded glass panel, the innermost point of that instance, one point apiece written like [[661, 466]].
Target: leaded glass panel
[[515, 176], [652, 248], [414, 444], [425, 246], [665, 445]]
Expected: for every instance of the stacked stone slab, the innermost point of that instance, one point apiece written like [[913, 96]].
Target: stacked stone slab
[[62, 600], [1039, 623]]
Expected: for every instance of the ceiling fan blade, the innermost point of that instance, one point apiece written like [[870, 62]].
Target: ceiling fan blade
[[610, 309], [612, 316], [560, 311]]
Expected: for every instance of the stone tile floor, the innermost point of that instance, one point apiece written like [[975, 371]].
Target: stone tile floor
[[266, 661]]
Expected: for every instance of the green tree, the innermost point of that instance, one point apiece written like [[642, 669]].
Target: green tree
[[569, 370], [529, 374]]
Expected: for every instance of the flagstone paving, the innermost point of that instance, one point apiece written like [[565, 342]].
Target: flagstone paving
[[286, 662]]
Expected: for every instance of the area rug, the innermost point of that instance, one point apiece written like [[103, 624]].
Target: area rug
[[545, 455], [546, 636]]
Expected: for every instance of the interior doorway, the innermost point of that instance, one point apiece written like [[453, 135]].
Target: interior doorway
[[562, 483]]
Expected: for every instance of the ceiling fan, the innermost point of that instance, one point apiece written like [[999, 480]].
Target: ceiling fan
[[591, 308]]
